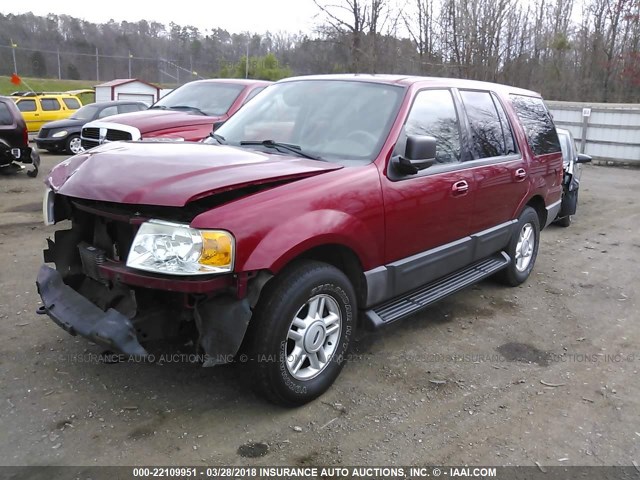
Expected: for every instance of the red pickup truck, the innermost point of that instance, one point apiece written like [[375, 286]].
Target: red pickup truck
[[326, 203], [187, 113]]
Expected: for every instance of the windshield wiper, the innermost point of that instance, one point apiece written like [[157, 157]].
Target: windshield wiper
[[281, 146], [218, 138], [160, 107], [188, 107]]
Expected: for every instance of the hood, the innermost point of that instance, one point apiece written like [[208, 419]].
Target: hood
[[172, 174], [148, 121], [66, 123]]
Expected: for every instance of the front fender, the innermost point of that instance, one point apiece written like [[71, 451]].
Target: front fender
[[321, 227]]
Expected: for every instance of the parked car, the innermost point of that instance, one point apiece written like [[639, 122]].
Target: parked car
[[40, 108], [14, 141], [325, 201], [187, 113], [64, 135], [572, 165]]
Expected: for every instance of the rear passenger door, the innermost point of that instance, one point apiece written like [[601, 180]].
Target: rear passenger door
[[500, 170], [51, 110]]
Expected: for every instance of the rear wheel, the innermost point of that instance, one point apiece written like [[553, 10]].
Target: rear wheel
[[523, 248], [301, 331]]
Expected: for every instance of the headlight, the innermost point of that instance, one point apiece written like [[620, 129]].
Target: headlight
[[178, 249], [61, 133]]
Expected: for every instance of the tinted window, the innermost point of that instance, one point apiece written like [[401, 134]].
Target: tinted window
[[5, 115], [509, 142], [27, 105], [433, 113], [537, 123], [486, 129], [71, 103], [49, 104], [106, 112], [130, 107]]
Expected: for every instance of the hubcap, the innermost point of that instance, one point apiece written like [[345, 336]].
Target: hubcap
[[525, 247], [75, 145], [313, 337]]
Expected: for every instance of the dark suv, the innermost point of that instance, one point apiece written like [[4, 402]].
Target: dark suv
[[324, 203], [14, 140]]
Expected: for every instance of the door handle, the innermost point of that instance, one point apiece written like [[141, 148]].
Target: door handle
[[520, 174], [460, 188]]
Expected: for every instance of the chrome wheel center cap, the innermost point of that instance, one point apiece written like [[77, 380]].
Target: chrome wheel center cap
[[314, 337]]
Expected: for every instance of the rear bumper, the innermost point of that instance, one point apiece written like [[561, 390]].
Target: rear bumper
[[78, 316]]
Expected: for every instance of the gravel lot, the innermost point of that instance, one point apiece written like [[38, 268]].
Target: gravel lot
[[546, 372]]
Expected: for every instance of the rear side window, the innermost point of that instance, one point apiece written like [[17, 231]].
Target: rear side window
[[5, 115], [486, 128], [538, 126], [434, 114], [49, 104], [71, 103], [27, 105]]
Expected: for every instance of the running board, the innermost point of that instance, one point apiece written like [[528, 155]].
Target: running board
[[422, 297]]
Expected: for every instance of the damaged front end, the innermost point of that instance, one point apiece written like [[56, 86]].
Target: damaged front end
[[92, 293]]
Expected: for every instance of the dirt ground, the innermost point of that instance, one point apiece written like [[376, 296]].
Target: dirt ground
[[546, 372]]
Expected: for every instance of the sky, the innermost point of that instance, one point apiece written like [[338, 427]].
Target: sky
[[235, 16]]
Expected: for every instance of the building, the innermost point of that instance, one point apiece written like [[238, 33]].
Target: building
[[127, 89]]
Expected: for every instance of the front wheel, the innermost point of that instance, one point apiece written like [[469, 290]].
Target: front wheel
[[74, 145], [301, 332], [523, 248]]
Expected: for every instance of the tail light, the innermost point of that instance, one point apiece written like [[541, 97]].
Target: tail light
[[25, 137]]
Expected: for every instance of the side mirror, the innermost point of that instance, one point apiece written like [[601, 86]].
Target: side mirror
[[583, 158], [419, 153]]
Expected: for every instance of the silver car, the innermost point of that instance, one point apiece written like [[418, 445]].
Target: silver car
[[572, 161]]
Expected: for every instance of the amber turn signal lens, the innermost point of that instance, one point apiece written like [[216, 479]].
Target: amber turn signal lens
[[217, 249]]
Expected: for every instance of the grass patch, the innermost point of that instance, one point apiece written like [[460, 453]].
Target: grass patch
[[43, 85]]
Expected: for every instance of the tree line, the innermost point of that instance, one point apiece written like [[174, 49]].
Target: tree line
[[581, 51]]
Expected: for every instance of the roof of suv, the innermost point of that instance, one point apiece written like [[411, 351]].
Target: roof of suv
[[408, 80]]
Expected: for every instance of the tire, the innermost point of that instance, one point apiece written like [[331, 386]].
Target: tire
[[285, 336], [73, 145], [523, 255], [564, 221], [33, 173]]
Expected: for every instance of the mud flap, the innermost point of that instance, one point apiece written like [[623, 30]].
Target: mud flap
[[222, 323], [78, 316]]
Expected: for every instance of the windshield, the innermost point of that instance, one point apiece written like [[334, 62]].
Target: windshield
[[85, 113], [335, 120], [207, 98]]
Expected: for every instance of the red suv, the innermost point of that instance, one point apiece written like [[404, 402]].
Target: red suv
[[187, 113], [325, 202]]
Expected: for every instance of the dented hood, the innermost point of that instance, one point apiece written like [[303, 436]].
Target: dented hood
[[172, 174]]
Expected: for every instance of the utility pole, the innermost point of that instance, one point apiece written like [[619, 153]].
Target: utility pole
[[59, 69], [97, 66], [246, 67], [130, 57], [13, 51]]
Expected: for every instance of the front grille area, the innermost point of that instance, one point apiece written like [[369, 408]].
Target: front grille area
[[115, 135], [44, 133], [88, 144], [90, 132]]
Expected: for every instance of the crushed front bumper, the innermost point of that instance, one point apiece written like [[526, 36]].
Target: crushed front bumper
[[78, 316]]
